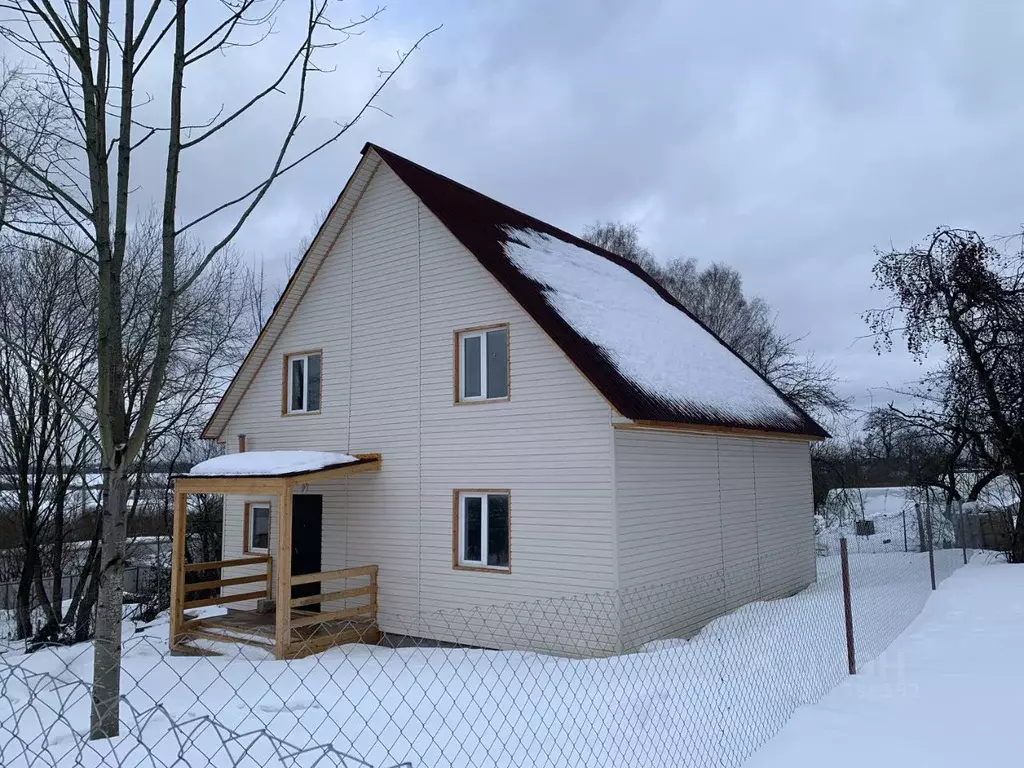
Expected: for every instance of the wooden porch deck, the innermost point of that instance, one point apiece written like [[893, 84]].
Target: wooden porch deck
[[295, 628], [258, 630], [307, 630]]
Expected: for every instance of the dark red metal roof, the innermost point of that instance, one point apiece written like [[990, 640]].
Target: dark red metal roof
[[480, 224]]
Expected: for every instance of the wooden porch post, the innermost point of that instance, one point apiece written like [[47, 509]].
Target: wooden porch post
[[283, 564], [177, 612]]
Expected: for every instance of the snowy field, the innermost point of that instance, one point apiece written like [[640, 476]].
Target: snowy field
[[945, 693], [711, 700]]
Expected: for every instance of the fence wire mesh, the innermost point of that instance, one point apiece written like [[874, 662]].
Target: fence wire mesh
[[698, 671]]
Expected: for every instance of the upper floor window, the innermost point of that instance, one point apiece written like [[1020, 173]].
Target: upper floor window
[[483, 364], [302, 382]]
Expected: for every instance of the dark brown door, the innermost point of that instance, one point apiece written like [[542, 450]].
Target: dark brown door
[[307, 532]]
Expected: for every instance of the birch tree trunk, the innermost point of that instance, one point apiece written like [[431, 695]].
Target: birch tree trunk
[[106, 682]]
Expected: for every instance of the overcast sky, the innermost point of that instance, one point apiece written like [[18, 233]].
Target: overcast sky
[[786, 138]]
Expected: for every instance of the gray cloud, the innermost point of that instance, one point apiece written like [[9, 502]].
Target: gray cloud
[[787, 138]]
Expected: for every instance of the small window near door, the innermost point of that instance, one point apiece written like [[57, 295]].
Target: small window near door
[[257, 527], [483, 364], [482, 529], [302, 377]]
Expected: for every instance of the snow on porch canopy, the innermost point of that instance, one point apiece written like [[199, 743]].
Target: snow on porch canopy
[[276, 464]]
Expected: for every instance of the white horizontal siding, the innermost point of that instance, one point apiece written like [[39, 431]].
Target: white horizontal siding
[[232, 543], [383, 308], [706, 524], [785, 540]]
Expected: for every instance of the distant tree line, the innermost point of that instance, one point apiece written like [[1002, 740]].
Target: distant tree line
[[50, 489]]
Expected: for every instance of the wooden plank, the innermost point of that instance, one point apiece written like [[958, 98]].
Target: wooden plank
[[336, 575], [270, 578], [327, 597], [184, 649], [177, 608], [284, 385], [372, 465], [283, 617], [218, 637], [225, 599], [368, 456], [217, 564], [316, 645], [240, 484], [348, 613], [224, 582]]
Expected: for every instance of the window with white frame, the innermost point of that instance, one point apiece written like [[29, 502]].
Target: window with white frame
[[483, 364], [483, 529], [302, 383], [257, 534]]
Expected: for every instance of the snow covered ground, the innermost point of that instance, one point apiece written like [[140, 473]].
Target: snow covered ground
[[945, 693], [889, 508], [892, 510], [710, 700]]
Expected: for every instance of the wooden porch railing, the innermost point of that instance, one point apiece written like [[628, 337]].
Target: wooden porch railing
[[363, 614], [266, 578]]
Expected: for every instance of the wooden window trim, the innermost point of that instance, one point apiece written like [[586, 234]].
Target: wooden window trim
[[247, 549], [457, 364], [456, 515], [285, 382]]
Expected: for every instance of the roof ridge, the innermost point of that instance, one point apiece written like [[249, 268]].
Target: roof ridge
[[563, 234]]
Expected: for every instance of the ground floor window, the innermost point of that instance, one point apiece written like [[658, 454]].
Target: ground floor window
[[482, 529], [257, 527]]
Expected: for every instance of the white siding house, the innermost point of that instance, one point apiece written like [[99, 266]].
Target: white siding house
[[625, 529]]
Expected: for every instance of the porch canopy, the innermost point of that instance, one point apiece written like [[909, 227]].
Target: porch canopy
[[255, 473], [260, 471]]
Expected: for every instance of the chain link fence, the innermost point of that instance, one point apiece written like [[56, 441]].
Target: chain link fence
[[552, 687], [138, 580]]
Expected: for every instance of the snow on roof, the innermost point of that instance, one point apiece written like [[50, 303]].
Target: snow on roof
[[660, 349], [270, 463]]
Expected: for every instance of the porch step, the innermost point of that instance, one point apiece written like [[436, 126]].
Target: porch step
[[207, 633], [184, 648]]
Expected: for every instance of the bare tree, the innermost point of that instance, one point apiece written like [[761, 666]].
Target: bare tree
[[623, 239], [47, 386], [715, 296], [46, 425], [961, 299], [94, 58]]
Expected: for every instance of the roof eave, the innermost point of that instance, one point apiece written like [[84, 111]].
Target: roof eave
[[720, 429]]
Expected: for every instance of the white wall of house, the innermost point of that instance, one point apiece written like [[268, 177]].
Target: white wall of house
[[707, 523], [685, 526], [383, 309]]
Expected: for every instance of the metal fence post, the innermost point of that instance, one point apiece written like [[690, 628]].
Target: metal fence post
[[931, 544], [851, 657]]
